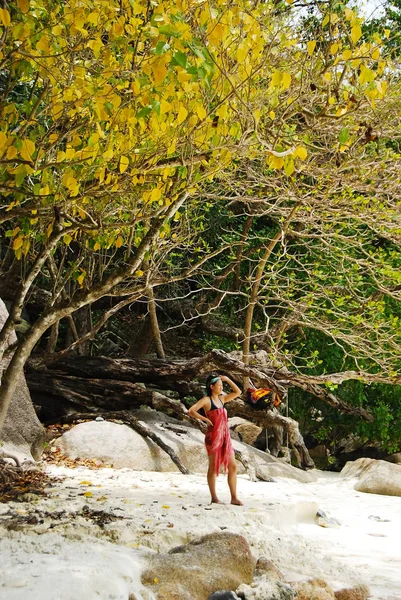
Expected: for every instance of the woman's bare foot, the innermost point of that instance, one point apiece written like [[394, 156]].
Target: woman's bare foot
[[237, 502], [216, 501]]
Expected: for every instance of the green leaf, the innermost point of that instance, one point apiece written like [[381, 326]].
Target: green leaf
[[169, 31], [161, 48], [181, 59], [144, 112], [344, 135]]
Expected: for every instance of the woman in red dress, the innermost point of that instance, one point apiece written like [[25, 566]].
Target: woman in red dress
[[218, 440]]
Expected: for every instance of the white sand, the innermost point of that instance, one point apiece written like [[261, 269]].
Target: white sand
[[83, 561]]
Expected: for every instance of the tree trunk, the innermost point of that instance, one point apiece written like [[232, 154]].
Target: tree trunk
[[157, 340], [246, 346]]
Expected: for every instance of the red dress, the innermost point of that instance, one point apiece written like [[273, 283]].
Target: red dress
[[218, 439]]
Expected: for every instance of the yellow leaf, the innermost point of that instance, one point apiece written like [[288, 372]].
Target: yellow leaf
[[3, 140], [242, 52], [156, 580], [71, 183], [80, 280], [366, 75], [85, 483], [18, 242], [5, 17], [376, 54], [96, 45], [327, 76], [200, 111], [88, 494], [286, 80], [349, 14], [289, 166], [272, 114], [23, 5], [301, 152], [57, 30], [356, 33], [156, 194], [139, 273], [96, 246], [165, 107], [347, 54], [160, 73], [182, 114], [124, 162], [28, 148], [334, 48], [276, 79], [67, 239], [311, 47], [275, 162], [12, 152], [165, 506], [119, 242]]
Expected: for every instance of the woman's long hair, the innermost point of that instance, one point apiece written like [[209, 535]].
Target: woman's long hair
[[211, 379]]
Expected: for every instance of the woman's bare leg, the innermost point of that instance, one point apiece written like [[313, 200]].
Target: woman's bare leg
[[211, 480], [232, 481]]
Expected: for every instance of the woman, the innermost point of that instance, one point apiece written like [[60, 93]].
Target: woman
[[218, 440]]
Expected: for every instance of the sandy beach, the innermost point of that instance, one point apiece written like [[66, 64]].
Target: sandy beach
[[51, 541]]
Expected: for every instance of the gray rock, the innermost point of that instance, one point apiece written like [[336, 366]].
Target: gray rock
[[324, 520], [374, 476], [22, 434], [224, 595], [194, 571]]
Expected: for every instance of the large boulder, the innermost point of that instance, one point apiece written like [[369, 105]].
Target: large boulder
[[218, 561], [374, 476], [121, 447], [22, 436]]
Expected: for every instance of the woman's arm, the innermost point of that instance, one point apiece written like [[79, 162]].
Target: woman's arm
[[193, 411], [235, 389]]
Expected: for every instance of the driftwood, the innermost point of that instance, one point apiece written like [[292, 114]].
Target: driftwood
[[177, 375], [58, 395], [129, 419]]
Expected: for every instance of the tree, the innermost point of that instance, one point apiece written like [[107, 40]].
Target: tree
[[117, 115]]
